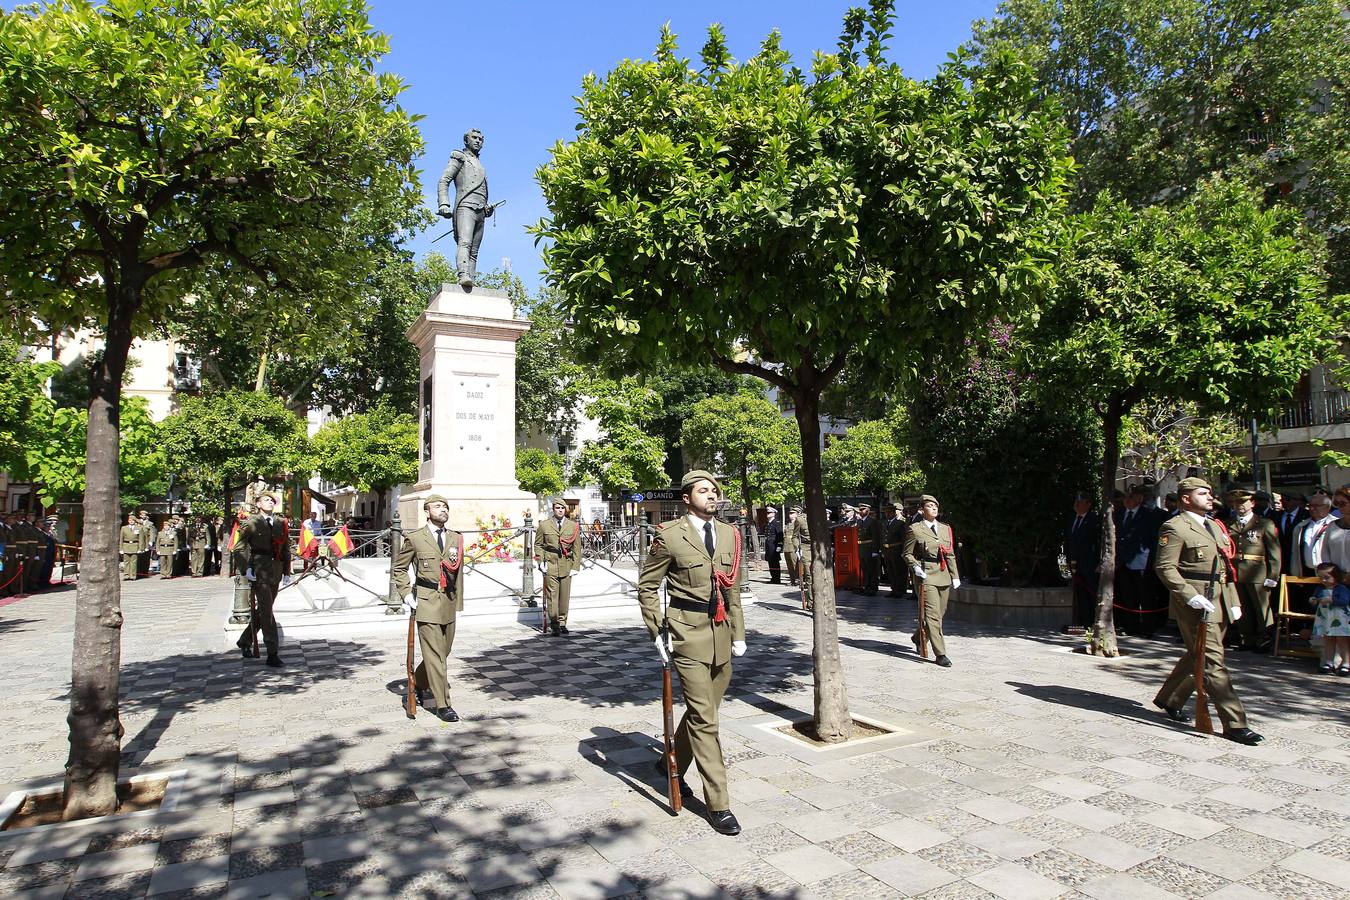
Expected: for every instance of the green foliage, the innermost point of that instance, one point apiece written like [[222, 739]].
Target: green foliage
[[540, 472], [224, 439], [745, 438], [681, 388], [23, 403], [1160, 439], [627, 456], [1004, 459], [56, 452], [873, 458], [548, 379], [373, 450]]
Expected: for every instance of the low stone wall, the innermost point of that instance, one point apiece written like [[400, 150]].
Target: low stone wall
[[1047, 608]]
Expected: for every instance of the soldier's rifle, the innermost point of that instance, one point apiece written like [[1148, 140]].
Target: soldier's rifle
[[668, 709], [490, 210], [1203, 724], [411, 699], [922, 630]]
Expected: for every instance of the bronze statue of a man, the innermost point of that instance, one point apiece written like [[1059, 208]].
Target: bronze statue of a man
[[471, 209]]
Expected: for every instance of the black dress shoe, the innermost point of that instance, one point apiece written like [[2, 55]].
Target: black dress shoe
[[247, 653], [563, 629], [685, 790], [1243, 736], [1176, 715], [274, 661], [723, 822], [447, 714], [555, 630], [944, 662]]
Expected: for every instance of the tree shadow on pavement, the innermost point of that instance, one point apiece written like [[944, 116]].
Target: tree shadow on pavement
[[1094, 701], [17, 626]]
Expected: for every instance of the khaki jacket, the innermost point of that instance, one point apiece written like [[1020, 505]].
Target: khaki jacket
[[199, 536], [168, 542], [549, 545], [268, 547], [1258, 550], [800, 535], [130, 539], [420, 551], [923, 548], [678, 556], [1186, 557]]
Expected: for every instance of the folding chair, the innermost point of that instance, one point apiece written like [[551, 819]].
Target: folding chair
[[1289, 623]]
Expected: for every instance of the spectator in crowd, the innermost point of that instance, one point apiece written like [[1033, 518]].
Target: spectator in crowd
[[1293, 511], [1306, 548], [166, 546], [1262, 505], [1336, 541], [1256, 549], [147, 534], [48, 529], [869, 548], [773, 545], [1082, 550], [1331, 627], [1170, 507], [213, 540]]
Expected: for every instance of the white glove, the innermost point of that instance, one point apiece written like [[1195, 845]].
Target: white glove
[[956, 583], [738, 648], [249, 574], [1235, 612], [1199, 602], [411, 600], [1270, 583], [919, 573], [661, 649]]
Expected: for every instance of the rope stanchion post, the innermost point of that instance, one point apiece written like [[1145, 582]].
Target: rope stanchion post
[[527, 558], [393, 602], [22, 593]]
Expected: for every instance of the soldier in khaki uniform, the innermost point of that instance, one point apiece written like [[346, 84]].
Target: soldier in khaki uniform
[[1191, 564], [166, 546], [893, 550], [200, 537], [556, 544], [930, 552], [129, 545], [147, 540], [436, 595], [800, 556], [698, 556], [869, 548], [1258, 568], [268, 543]]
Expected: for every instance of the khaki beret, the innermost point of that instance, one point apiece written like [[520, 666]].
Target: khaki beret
[[1238, 496], [927, 498], [272, 494], [697, 475], [1192, 484], [434, 498], [555, 501]]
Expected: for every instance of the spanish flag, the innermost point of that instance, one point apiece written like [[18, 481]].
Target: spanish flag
[[309, 544], [341, 543], [234, 536]]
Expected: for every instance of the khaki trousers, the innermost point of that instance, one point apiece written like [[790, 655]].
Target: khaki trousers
[[934, 609], [557, 597], [198, 561], [129, 563], [1256, 615], [436, 641], [267, 578], [165, 565], [697, 738], [1179, 686]]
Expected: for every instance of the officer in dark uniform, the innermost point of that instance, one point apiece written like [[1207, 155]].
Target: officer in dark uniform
[[869, 548], [893, 551]]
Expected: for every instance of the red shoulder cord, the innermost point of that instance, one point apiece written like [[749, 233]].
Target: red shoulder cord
[[279, 543], [725, 580], [944, 550], [448, 569], [565, 544], [1227, 552]]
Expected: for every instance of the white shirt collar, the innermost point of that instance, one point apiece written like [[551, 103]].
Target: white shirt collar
[[1243, 520], [1195, 516], [697, 524]]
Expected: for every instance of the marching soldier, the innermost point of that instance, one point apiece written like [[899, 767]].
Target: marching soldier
[[699, 558], [129, 544], [801, 558], [436, 596], [894, 548], [930, 552], [869, 548], [167, 546], [200, 538], [1258, 568], [557, 545], [1193, 562], [266, 539]]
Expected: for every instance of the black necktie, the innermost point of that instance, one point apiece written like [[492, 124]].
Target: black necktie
[[708, 538], [1210, 529], [1129, 514], [440, 539], [1077, 522]]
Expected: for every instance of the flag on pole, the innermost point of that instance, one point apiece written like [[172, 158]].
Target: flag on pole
[[309, 544], [234, 537], [341, 543]]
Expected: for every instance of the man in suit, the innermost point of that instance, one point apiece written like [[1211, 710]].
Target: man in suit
[[930, 552], [869, 548], [266, 539], [1258, 568], [893, 550], [129, 544], [1292, 512], [1082, 550], [556, 543], [1194, 564], [471, 209], [1136, 535], [698, 557], [435, 592], [1305, 549], [773, 546]]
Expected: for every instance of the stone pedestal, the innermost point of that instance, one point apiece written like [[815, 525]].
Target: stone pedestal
[[467, 452]]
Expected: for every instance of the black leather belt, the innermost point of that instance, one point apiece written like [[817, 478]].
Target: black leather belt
[[428, 583], [1220, 579], [689, 605]]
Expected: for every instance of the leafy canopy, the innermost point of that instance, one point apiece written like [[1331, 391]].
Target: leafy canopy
[[221, 440], [745, 438], [539, 472], [56, 458], [372, 450], [627, 455], [873, 457]]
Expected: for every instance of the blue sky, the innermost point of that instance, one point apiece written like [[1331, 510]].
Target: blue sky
[[512, 67]]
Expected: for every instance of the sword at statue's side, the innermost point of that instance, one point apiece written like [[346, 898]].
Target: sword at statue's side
[[490, 210]]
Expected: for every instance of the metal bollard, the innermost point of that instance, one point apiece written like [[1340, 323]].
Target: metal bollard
[[243, 608], [527, 558], [393, 602], [643, 526]]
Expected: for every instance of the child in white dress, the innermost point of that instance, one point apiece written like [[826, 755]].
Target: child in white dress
[[1332, 623]]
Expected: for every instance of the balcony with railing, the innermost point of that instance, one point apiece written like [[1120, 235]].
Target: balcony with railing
[[1318, 408]]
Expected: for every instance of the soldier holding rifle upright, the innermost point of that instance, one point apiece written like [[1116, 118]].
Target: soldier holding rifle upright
[[268, 542], [930, 551], [699, 559], [557, 546], [436, 595], [800, 556], [1189, 545]]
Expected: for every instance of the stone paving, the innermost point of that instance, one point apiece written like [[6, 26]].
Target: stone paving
[[1026, 771]]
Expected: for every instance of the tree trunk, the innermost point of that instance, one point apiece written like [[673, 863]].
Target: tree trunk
[[379, 507], [95, 729], [833, 720], [1104, 629], [262, 364]]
